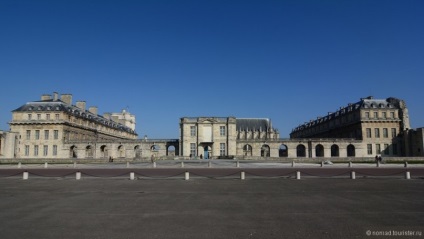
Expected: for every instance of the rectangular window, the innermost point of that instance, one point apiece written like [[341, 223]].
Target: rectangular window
[[386, 149], [222, 130], [26, 150], [377, 132], [192, 149], [56, 134], [368, 133], [385, 133], [37, 134], [222, 149], [384, 115], [369, 149], [375, 115], [47, 116], [394, 133], [56, 116], [54, 150], [38, 116], [378, 148], [28, 134], [46, 134], [35, 150], [192, 130], [29, 116], [45, 150], [367, 115], [392, 115]]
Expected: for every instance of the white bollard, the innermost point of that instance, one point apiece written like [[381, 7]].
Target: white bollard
[[242, 176], [46, 165], [187, 176], [238, 164], [75, 164], [182, 164], [25, 175], [322, 164], [293, 163], [353, 175], [132, 176], [154, 164], [128, 164], [78, 176], [298, 175], [350, 164], [378, 164], [19, 165], [406, 164], [209, 164], [408, 175]]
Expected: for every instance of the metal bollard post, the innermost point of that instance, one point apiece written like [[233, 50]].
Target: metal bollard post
[[45, 165], [182, 164], [128, 164], [238, 164], [378, 164], [408, 175], [19, 165], [78, 175], [187, 176], [298, 175], [25, 175], [293, 163], [322, 164], [350, 164], [353, 175], [132, 176], [154, 164], [242, 176]]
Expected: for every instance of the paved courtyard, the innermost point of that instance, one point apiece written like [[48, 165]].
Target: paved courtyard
[[204, 208]]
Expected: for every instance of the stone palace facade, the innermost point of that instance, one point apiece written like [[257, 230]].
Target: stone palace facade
[[55, 128]]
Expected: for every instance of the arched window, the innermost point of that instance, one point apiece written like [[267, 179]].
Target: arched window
[[350, 150], [89, 151], [171, 150], [103, 151], [335, 150], [247, 150], [137, 151], [265, 151], [301, 150], [283, 151], [73, 151], [121, 151], [319, 151]]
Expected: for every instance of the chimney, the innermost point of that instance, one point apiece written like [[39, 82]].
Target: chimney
[[67, 98], [107, 116], [45, 97], [55, 96], [93, 110], [81, 104]]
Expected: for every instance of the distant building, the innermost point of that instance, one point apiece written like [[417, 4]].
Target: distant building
[[379, 123], [54, 128], [44, 126], [206, 137]]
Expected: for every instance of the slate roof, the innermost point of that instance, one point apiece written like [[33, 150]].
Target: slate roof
[[60, 106], [252, 124]]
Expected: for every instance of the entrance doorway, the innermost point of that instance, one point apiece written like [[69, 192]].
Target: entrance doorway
[[207, 151]]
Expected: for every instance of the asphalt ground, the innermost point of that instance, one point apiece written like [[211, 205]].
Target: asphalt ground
[[211, 208]]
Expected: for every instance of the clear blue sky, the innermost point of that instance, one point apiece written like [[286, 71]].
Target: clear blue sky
[[290, 61]]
